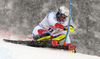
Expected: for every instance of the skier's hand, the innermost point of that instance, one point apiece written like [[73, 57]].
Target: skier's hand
[[71, 28], [58, 25]]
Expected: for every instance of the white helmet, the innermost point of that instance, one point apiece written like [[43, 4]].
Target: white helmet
[[63, 10]]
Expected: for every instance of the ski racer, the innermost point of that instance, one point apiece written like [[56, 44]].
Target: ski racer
[[54, 26]]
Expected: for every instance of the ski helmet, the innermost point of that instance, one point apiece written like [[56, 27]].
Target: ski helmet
[[63, 11]]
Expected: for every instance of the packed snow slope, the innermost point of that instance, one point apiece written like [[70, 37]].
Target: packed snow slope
[[16, 51]]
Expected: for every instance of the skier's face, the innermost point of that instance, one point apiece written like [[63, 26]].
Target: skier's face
[[62, 17]]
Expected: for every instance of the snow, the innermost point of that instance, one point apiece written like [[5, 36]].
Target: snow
[[16, 51]]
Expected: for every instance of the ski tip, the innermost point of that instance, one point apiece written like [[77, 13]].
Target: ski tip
[[5, 39]]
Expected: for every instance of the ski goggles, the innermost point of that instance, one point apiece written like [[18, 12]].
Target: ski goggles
[[63, 16]]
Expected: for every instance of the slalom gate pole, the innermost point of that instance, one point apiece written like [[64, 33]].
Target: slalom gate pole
[[68, 22]]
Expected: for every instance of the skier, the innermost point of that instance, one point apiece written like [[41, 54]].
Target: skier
[[53, 24]]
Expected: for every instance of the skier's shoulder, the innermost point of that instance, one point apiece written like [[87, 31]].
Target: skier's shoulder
[[51, 13]]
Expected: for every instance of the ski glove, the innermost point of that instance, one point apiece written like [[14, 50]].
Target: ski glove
[[71, 28], [58, 25]]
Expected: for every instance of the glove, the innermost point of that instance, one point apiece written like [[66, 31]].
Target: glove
[[58, 25], [71, 28]]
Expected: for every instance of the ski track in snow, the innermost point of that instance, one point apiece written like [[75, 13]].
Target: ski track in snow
[[16, 51]]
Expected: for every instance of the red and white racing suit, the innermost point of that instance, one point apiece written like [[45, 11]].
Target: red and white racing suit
[[48, 25]]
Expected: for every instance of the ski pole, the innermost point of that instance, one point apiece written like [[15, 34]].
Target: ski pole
[[68, 22]]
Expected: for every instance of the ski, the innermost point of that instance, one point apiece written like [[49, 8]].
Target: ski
[[43, 44]]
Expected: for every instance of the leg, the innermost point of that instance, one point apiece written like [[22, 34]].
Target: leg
[[43, 36], [59, 37]]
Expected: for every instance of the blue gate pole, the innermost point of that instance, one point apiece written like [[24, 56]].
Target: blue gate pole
[[69, 20]]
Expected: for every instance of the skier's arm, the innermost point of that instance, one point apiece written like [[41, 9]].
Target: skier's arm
[[51, 18], [71, 28]]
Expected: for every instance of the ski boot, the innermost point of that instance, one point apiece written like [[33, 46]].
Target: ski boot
[[72, 49], [57, 39]]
